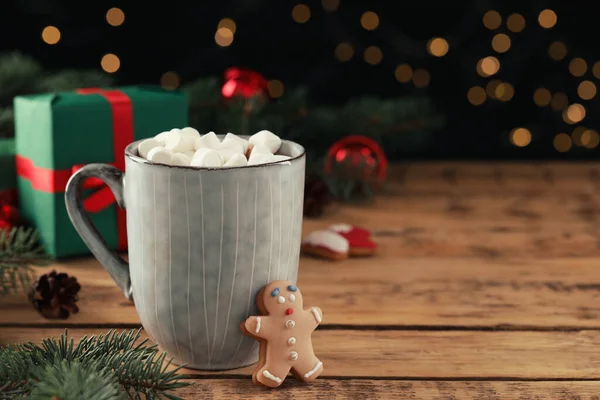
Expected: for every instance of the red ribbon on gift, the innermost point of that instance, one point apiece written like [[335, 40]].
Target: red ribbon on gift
[[55, 181]]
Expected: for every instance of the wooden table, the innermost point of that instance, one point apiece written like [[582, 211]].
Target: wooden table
[[486, 286]]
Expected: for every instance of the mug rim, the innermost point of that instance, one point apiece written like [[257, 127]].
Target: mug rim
[[129, 153]]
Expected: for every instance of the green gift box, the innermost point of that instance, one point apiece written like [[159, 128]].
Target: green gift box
[[8, 172], [56, 134]]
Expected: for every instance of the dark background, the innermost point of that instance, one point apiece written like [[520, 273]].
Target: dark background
[[180, 36]]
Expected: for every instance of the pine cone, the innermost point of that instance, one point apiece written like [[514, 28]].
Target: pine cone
[[54, 295], [316, 196]]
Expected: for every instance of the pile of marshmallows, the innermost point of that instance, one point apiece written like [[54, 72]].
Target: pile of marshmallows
[[186, 147]]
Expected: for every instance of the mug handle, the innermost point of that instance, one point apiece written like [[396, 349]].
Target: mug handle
[[110, 260]]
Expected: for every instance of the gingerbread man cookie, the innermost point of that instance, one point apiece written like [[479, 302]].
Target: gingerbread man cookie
[[284, 330]]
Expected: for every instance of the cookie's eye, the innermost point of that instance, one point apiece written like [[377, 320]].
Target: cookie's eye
[[275, 292], [281, 299], [292, 297]]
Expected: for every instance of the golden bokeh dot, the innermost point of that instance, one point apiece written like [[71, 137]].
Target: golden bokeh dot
[[586, 90], [403, 73], [590, 139], [488, 66], [557, 50], [492, 19], [437, 47], [559, 101], [501, 43], [575, 113], [344, 52], [170, 80], [275, 88], [520, 137], [373, 55], [224, 37], [504, 91], [476, 95], [421, 78], [515, 23], [577, 67], [110, 63], [115, 16], [562, 142], [596, 69], [542, 97], [227, 23], [369, 20], [577, 134], [491, 87], [301, 13], [51, 34], [330, 5], [547, 19]]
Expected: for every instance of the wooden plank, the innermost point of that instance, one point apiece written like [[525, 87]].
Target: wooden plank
[[496, 177], [392, 389], [418, 354], [390, 291]]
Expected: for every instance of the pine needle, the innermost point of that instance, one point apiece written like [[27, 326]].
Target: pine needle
[[105, 363], [19, 250]]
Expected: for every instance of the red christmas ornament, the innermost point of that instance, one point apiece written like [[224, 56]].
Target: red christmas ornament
[[243, 83], [358, 156], [9, 217]]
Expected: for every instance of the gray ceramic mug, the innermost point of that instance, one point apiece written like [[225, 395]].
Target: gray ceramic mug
[[202, 242]]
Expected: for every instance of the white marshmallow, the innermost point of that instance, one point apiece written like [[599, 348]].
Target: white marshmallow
[[280, 157], [147, 145], [260, 158], [210, 141], [190, 132], [162, 137], [237, 160], [207, 158], [190, 154], [181, 159], [229, 148], [243, 142], [178, 142], [260, 148], [160, 155], [266, 138]]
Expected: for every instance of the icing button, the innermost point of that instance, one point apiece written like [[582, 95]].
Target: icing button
[[293, 356], [291, 341], [289, 323]]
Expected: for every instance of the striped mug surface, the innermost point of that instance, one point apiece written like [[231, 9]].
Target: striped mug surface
[[202, 243]]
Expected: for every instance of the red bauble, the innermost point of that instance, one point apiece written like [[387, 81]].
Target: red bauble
[[357, 156], [9, 217], [243, 83]]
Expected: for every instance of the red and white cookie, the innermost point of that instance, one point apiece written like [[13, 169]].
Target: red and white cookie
[[326, 244], [359, 239]]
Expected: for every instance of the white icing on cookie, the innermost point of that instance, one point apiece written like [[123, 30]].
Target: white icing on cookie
[[328, 239], [281, 299], [292, 297], [272, 377], [292, 341], [344, 228], [312, 371], [293, 355], [316, 314], [257, 325], [290, 324]]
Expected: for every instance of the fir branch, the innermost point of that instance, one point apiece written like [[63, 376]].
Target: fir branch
[[19, 250], [74, 381], [18, 75], [114, 358], [7, 123], [73, 79]]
